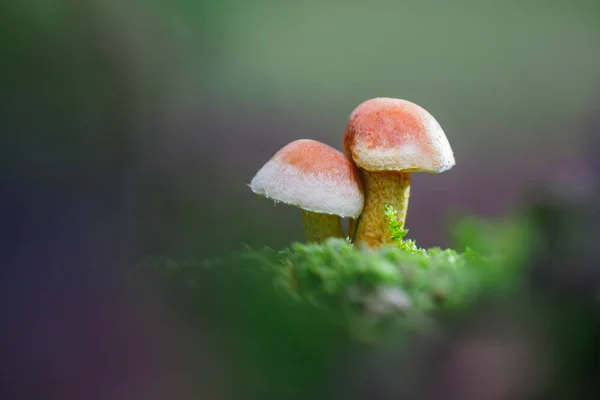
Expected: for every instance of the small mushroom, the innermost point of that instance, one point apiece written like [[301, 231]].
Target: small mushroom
[[316, 178], [388, 139]]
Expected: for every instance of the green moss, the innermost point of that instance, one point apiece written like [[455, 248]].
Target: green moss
[[398, 233], [373, 292], [278, 317]]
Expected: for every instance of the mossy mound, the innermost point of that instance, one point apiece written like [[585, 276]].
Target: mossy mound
[[370, 292]]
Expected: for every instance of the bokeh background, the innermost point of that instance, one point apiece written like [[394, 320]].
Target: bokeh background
[[133, 128], [188, 100]]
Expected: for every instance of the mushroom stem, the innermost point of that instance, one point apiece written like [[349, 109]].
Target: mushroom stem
[[381, 188], [352, 228], [319, 227]]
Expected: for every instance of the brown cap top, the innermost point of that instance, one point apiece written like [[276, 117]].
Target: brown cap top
[[312, 176], [385, 134]]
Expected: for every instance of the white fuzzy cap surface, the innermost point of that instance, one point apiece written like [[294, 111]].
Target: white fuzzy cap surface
[[312, 176]]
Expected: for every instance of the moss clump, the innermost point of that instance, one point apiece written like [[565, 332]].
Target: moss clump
[[330, 274], [398, 233], [376, 291]]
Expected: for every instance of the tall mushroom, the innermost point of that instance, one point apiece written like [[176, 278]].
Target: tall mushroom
[[389, 139], [316, 178]]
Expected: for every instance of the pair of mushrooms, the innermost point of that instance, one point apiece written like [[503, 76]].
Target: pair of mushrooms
[[385, 141]]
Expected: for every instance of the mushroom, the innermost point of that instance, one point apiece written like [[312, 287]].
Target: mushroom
[[316, 178], [388, 139]]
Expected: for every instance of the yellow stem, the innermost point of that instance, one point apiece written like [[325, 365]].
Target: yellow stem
[[319, 227], [381, 188]]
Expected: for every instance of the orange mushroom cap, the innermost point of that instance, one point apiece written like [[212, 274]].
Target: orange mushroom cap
[[386, 134], [312, 176]]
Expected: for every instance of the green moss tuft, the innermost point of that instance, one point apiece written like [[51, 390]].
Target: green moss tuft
[[398, 233]]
